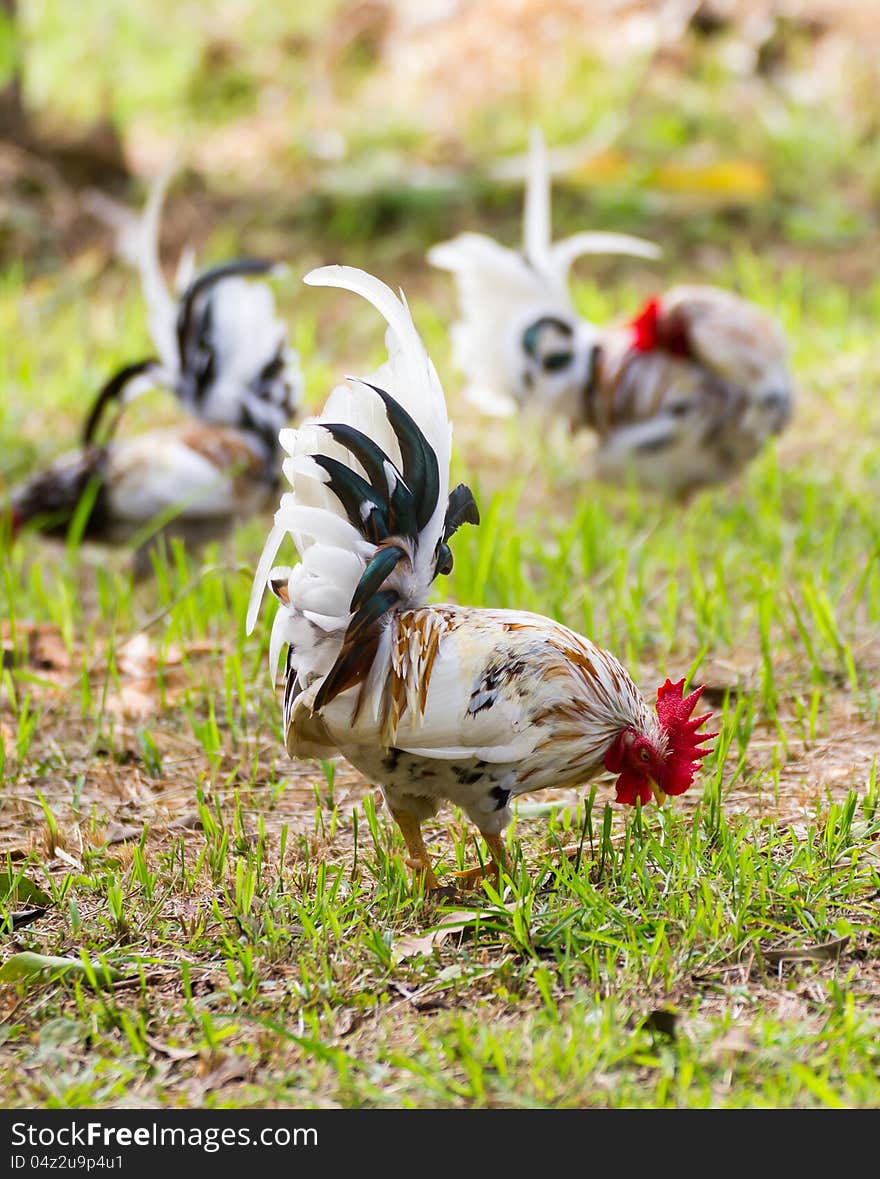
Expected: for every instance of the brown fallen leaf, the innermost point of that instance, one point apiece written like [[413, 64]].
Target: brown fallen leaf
[[415, 947], [136, 698], [819, 953], [7, 739], [45, 646], [425, 944], [190, 822], [47, 650], [117, 833], [139, 656], [136, 656], [346, 1020], [140, 662]]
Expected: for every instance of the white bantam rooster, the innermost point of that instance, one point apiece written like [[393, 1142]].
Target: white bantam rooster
[[519, 340], [434, 703], [223, 352], [683, 396]]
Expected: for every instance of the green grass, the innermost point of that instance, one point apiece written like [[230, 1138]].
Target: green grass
[[271, 947]]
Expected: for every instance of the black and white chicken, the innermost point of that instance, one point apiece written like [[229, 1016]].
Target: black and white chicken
[[222, 350]]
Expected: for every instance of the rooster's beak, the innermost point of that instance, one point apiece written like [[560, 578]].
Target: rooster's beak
[[659, 795]]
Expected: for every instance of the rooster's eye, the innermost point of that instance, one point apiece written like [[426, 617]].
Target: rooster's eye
[[644, 755]]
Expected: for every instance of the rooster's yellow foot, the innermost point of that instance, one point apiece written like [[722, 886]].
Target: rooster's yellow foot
[[471, 877], [423, 874]]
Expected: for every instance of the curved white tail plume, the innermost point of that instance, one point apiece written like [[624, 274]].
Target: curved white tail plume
[[370, 509]]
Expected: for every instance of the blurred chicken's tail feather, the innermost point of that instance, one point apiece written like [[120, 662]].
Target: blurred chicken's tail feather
[[537, 228], [137, 243]]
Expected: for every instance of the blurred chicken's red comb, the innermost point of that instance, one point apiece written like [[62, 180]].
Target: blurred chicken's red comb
[[654, 327], [674, 712], [646, 327]]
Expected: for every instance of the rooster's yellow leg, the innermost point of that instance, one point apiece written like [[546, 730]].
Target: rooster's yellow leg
[[471, 877], [418, 860]]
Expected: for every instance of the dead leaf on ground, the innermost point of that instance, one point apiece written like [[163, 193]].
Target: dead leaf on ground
[[422, 945], [823, 952], [139, 656], [190, 822], [219, 1071], [45, 648], [346, 1020], [142, 662], [8, 739], [417, 946], [117, 833], [136, 698]]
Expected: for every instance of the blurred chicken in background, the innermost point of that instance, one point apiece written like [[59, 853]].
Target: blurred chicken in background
[[682, 396], [519, 339], [223, 352]]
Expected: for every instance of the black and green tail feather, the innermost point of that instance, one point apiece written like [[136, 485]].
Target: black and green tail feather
[[389, 508]]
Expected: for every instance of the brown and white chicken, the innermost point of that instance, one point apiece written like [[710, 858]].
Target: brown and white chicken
[[435, 703], [190, 480], [681, 397], [688, 392]]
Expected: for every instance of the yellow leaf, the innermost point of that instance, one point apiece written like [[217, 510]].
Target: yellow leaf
[[743, 179]]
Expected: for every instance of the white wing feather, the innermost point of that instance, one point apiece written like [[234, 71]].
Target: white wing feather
[[537, 227], [497, 291], [158, 472], [247, 335]]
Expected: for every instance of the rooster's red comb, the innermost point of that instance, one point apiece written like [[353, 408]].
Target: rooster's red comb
[[646, 327], [674, 711]]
